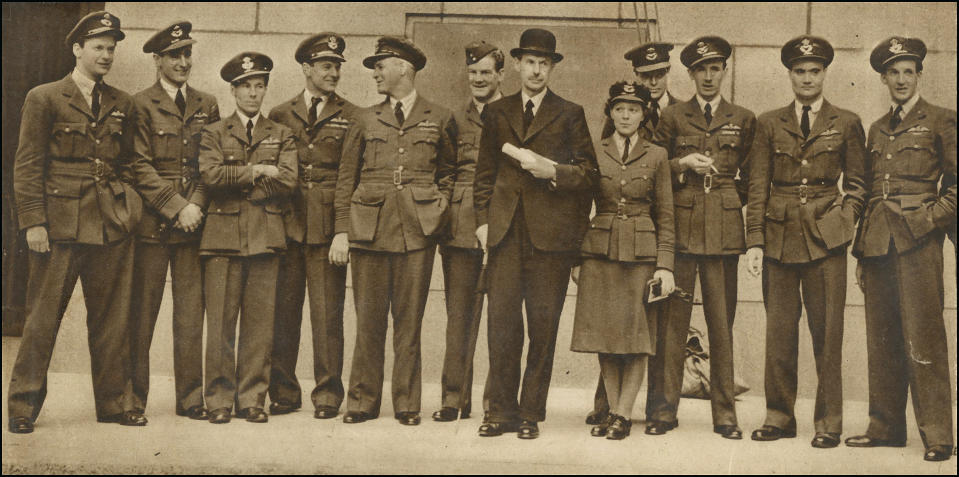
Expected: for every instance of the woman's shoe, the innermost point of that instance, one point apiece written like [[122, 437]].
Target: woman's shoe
[[619, 428], [599, 430]]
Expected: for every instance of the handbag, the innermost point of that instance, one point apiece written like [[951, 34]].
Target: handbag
[[696, 373]]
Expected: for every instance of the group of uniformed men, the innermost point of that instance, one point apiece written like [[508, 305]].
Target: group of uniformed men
[[250, 211]]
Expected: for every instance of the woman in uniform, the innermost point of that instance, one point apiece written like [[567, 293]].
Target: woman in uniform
[[629, 242]]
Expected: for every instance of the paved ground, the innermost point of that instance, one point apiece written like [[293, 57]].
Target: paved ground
[[67, 439]]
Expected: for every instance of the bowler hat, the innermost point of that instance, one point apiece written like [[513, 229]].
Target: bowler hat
[[537, 41]]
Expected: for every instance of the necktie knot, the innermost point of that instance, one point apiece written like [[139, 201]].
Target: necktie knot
[[95, 99], [313, 108], [896, 117], [807, 108], [708, 113], [626, 150], [249, 130], [180, 101], [804, 121], [398, 110], [528, 115]]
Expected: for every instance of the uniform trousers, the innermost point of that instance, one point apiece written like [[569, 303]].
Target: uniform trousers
[[386, 283], [519, 273], [820, 285], [906, 343], [149, 281], [309, 266], [239, 373], [461, 270], [105, 272], [718, 276]]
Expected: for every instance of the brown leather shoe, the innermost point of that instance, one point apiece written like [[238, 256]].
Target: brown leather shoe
[[729, 432], [446, 414], [825, 440], [282, 407], [867, 441], [356, 417], [220, 416], [197, 413], [772, 433], [619, 428], [493, 429], [938, 453], [528, 430], [21, 425], [408, 418], [325, 412], [253, 414], [600, 429], [658, 428]]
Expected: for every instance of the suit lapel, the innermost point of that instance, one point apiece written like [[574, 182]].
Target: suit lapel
[[238, 129], [694, 115], [420, 109], [824, 120], [193, 102], [917, 113], [262, 130], [514, 114], [77, 101], [159, 96], [637, 151], [108, 100], [473, 115], [548, 111], [787, 118], [332, 107], [300, 110], [610, 149], [385, 114], [722, 116]]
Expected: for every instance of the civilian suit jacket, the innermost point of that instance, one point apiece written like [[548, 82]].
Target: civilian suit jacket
[[556, 215]]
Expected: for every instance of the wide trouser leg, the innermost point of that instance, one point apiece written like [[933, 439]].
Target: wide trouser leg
[[372, 287], [411, 285], [781, 295], [924, 336], [824, 294], [290, 293], [718, 276], [327, 284], [256, 331], [461, 268], [187, 271], [51, 281], [224, 278], [150, 262], [662, 402]]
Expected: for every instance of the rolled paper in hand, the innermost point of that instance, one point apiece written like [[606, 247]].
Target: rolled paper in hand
[[521, 155]]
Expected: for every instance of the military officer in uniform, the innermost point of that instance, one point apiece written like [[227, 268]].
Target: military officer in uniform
[[170, 119], [318, 118], [651, 66], [71, 174], [798, 220], [248, 163], [708, 139], [899, 246], [392, 195], [462, 255]]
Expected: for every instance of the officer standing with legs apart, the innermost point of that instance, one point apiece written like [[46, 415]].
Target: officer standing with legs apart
[[462, 255], [708, 139], [170, 120], [392, 195], [800, 223], [248, 164], [899, 247], [319, 119], [71, 176]]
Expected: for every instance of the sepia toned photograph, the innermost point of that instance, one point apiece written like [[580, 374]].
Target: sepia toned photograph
[[479, 238]]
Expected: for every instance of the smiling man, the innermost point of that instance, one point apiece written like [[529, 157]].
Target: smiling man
[[319, 118], [899, 247], [800, 222], [170, 119]]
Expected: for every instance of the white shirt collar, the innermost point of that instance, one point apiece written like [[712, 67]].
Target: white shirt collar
[[480, 106], [621, 141], [85, 84], [171, 89], [408, 102], [813, 109], [714, 103], [663, 101], [244, 118], [537, 100], [308, 100], [907, 106]]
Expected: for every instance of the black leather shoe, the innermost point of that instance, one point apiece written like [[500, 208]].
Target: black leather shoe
[[408, 418], [933, 454], [253, 414], [133, 418], [198, 413], [825, 440], [282, 407], [596, 418], [21, 425], [729, 432], [356, 417], [220, 416], [446, 414], [528, 430], [493, 429], [325, 412], [658, 428], [772, 433], [866, 441], [600, 429], [619, 428]]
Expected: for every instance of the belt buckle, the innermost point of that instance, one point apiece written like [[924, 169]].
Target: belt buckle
[[308, 173], [802, 193], [707, 182], [398, 176], [620, 213], [885, 189], [98, 168]]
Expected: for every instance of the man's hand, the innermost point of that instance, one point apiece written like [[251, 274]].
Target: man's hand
[[666, 277], [754, 261], [189, 218], [697, 163], [481, 233], [540, 167], [340, 249], [862, 286], [574, 274], [265, 170], [37, 239]]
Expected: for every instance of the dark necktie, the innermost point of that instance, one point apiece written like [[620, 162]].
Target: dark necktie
[[626, 151], [95, 103], [896, 118], [312, 116], [180, 102], [528, 116], [654, 113], [804, 124], [400, 117], [708, 112], [249, 131]]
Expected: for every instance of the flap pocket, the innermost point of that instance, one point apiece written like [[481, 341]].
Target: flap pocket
[[69, 128], [171, 130], [683, 200], [731, 142], [58, 185], [689, 142], [428, 137], [225, 207], [834, 228], [826, 146], [911, 202], [376, 135], [273, 208], [915, 142], [603, 221], [645, 237], [233, 156], [786, 149], [731, 200], [776, 209], [366, 196], [425, 194]]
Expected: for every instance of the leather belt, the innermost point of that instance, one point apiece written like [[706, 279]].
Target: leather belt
[[397, 177], [804, 191], [711, 181], [889, 186]]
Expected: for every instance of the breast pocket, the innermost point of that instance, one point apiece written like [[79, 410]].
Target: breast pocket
[[70, 140], [375, 142], [729, 151], [424, 141], [234, 157], [917, 155], [786, 162], [166, 141], [328, 144], [827, 158], [109, 143], [639, 184], [686, 145], [266, 154]]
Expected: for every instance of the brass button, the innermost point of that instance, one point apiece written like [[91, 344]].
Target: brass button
[[892, 138], [183, 160], [56, 191], [887, 175], [707, 152], [777, 149], [399, 168], [402, 151], [622, 200], [399, 187], [828, 148], [310, 146], [401, 132], [92, 125], [67, 129], [219, 210], [622, 182], [805, 162], [888, 156], [623, 168], [804, 180], [160, 132], [98, 141], [185, 141], [708, 135], [231, 157]]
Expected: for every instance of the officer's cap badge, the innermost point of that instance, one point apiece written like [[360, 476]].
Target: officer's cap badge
[[177, 32], [702, 48], [651, 54], [247, 64], [806, 47], [105, 21], [628, 88], [895, 46], [332, 43]]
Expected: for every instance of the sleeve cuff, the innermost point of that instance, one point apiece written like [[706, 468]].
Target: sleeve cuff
[[174, 205]]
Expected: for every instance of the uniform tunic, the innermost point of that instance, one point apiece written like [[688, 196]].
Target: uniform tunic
[[629, 237]]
